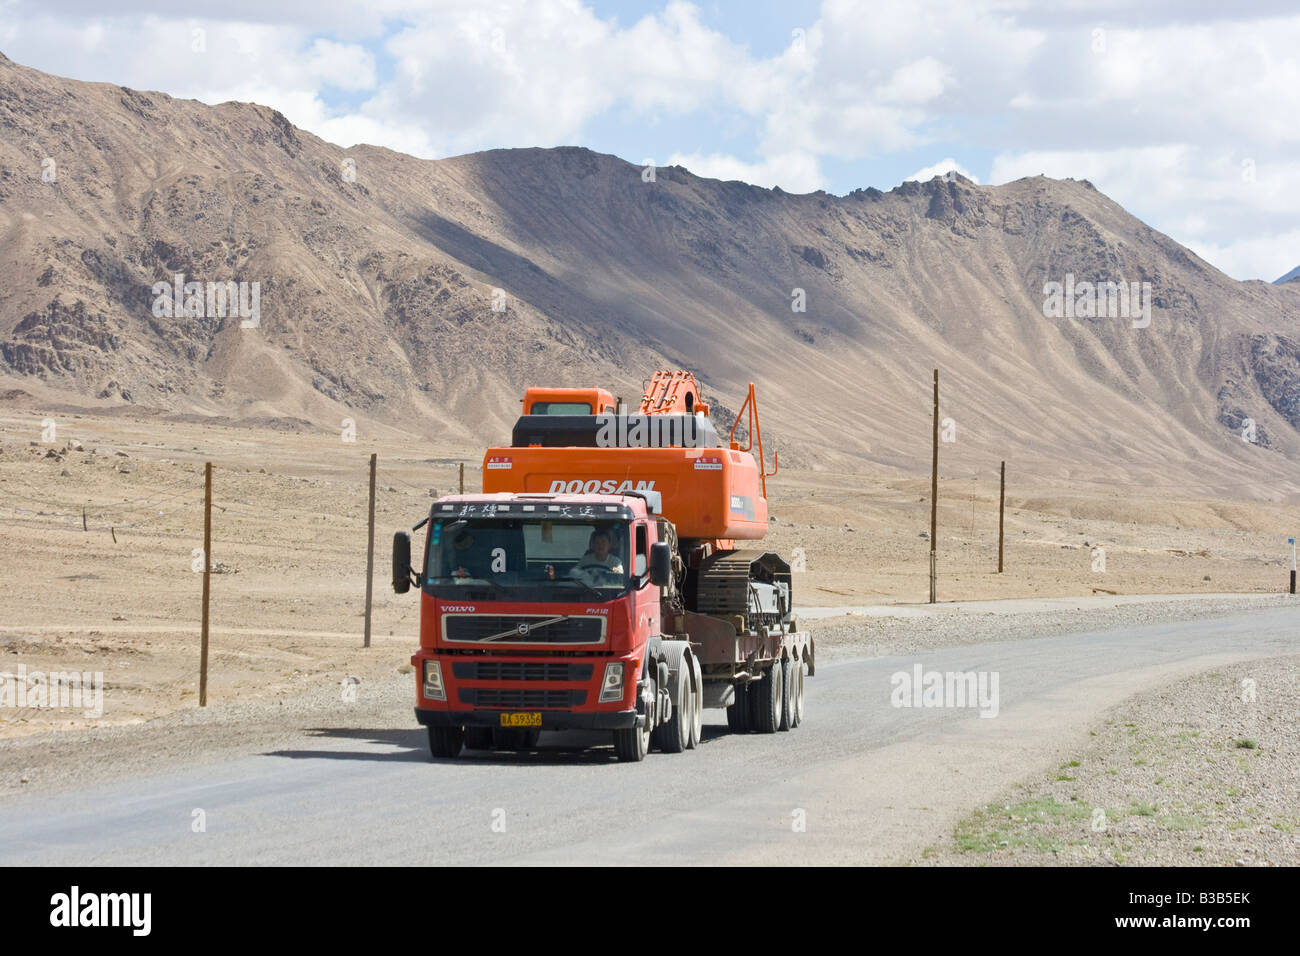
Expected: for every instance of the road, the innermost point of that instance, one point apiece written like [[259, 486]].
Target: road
[[861, 781]]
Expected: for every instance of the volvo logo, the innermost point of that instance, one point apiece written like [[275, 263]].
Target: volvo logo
[[523, 629]]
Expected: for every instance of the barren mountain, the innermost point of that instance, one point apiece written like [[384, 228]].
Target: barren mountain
[[427, 294]]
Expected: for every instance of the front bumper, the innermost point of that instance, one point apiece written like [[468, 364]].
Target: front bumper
[[551, 719]]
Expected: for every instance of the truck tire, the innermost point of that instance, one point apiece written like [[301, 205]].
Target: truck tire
[[738, 710], [770, 699], [798, 692], [672, 736], [632, 744], [478, 738], [787, 694], [445, 742], [697, 715]]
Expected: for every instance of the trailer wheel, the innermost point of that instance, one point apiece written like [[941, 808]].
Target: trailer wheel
[[770, 699], [787, 694], [672, 736], [798, 692], [478, 738], [738, 710], [697, 716], [445, 742]]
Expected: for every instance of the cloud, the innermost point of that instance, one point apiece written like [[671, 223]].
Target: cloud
[[793, 172], [940, 168]]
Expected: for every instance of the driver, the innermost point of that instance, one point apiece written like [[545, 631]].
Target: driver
[[598, 553]]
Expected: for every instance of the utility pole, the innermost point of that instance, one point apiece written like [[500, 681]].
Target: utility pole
[[1002, 511], [934, 493], [1291, 541], [370, 549], [207, 582]]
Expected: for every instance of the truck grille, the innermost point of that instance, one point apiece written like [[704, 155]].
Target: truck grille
[[520, 670], [477, 627], [521, 699]]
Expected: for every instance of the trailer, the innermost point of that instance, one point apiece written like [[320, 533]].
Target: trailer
[[595, 583]]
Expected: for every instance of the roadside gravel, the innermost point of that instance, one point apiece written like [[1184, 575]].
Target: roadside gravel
[[1205, 771]]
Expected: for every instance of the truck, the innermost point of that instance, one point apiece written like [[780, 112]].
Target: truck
[[599, 582]]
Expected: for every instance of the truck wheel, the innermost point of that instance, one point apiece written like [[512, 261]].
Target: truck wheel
[[787, 695], [738, 710], [478, 738], [770, 699], [798, 693], [697, 716], [632, 744], [445, 742], [672, 736]]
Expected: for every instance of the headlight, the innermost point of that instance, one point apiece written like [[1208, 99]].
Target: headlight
[[611, 687], [433, 689]]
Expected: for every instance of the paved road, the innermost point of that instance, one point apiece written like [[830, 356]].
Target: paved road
[[861, 781]]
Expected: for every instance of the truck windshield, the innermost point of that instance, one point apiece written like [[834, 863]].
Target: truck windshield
[[527, 559]]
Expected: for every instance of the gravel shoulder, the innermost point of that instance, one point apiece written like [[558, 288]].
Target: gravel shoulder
[[1203, 771]]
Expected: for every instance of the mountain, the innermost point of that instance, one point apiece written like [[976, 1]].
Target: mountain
[[378, 273], [1289, 277]]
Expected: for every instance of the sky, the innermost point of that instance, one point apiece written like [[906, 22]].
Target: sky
[[1186, 113]]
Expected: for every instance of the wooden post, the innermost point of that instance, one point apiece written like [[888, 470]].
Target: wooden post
[[462, 477], [207, 581], [1002, 510], [934, 493], [1292, 542], [83, 518], [370, 549]]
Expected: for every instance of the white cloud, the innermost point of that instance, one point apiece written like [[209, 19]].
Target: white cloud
[[793, 172], [940, 168]]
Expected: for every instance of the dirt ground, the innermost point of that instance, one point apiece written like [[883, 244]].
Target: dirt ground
[[115, 591]]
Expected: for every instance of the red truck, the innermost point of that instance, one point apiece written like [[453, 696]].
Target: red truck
[[595, 583]]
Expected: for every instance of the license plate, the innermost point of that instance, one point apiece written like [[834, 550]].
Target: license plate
[[529, 719]]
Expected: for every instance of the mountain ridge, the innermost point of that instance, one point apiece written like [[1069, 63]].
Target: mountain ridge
[[377, 281]]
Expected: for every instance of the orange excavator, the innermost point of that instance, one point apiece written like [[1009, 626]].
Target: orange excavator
[[596, 582]]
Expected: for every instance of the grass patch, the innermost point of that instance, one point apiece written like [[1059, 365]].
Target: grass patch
[[997, 827], [1143, 809], [1245, 743]]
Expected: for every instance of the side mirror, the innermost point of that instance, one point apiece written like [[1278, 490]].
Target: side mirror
[[661, 563], [402, 562]]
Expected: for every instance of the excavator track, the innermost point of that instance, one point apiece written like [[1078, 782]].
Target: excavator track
[[722, 585]]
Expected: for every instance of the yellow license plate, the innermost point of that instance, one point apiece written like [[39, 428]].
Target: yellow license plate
[[531, 719]]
